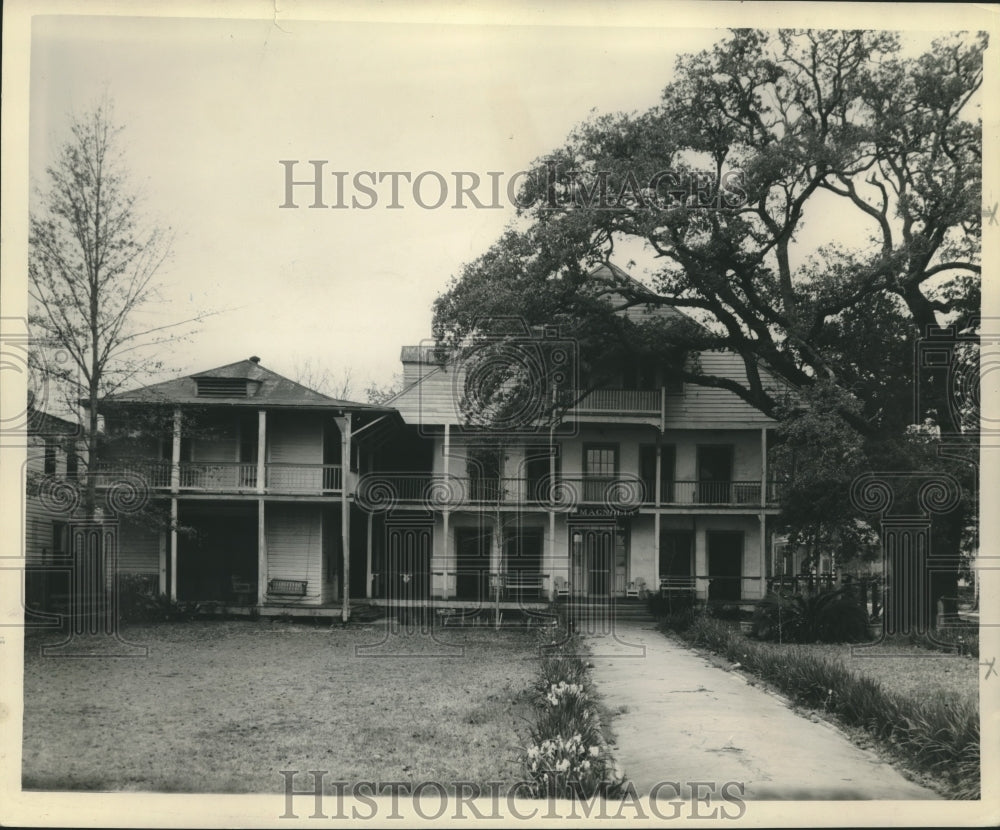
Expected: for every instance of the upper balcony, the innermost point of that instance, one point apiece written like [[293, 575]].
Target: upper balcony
[[620, 402], [226, 477], [560, 493]]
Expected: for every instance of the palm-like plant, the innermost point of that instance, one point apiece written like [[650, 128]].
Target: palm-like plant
[[832, 616]]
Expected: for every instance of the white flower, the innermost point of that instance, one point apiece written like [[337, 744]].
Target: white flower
[[595, 751], [562, 765]]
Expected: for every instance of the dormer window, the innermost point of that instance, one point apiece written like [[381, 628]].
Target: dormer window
[[222, 387]]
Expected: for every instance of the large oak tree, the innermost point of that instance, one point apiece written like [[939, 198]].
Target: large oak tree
[[755, 142]]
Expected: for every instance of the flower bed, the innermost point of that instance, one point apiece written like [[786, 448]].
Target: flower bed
[[568, 756]]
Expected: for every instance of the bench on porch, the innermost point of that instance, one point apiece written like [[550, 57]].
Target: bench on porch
[[286, 587], [520, 583], [676, 585]]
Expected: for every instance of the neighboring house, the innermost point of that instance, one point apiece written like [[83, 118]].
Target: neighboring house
[[649, 485], [54, 455], [253, 476]]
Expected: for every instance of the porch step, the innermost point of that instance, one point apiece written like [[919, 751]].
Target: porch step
[[631, 611]]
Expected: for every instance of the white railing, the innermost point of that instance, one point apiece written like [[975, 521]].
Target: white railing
[[225, 476], [637, 401]]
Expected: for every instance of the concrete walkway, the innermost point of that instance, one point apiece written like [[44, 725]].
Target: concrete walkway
[[686, 720]]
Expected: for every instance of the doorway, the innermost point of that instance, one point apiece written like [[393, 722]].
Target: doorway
[[725, 564]]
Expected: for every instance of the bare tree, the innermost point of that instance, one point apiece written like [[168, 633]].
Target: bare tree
[[376, 394], [93, 260], [321, 379]]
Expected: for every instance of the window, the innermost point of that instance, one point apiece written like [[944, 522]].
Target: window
[[50, 458], [60, 539], [72, 464], [600, 460], [600, 466]]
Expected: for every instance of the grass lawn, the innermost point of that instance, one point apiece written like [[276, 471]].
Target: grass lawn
[[902, 668], [223, 706]]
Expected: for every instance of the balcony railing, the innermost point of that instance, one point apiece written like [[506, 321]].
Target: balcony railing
[[634, 401], [562, 493], [225, 476]]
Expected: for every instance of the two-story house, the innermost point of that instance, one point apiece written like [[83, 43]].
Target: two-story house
[[250, 475], [645, 484], [281, 499]]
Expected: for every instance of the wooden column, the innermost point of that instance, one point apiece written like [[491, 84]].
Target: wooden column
[[446, 554], [368, 557], [552, 515], [762, 517], [173, 549], [163, 562], [261, 450], [656, 515], [344, 425], [763, 467], [175, 454], [261, 552]]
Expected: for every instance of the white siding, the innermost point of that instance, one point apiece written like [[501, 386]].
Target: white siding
[[295, 439]]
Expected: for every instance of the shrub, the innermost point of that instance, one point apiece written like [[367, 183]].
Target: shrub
[[136, 604], [963, 639], [829, 616]]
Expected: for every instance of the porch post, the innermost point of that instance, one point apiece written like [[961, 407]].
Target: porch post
[[175, 453], [446, 553], [763, 555], [173, 548], [763, 467], [344, 423], [656, 514], [368, 558], [763, 505], [261, 449], [261, 553], [162, 579]]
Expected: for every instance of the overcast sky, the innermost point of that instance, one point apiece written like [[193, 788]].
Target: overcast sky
[[212, 106]]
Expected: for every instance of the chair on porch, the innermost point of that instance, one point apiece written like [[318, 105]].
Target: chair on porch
[[561, 586], [242, 589], [635, 589]]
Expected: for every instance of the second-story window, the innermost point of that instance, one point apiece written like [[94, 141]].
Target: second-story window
[[600, 466]]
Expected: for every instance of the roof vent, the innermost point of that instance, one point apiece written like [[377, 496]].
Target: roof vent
[[255, 359], [221, 387]]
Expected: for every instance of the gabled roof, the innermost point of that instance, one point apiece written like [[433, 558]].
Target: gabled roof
[[266, 388], [42, 423], [656, 309]]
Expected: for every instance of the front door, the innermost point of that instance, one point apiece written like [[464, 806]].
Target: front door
[[600, 564], [725, 564], [408, 561]]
